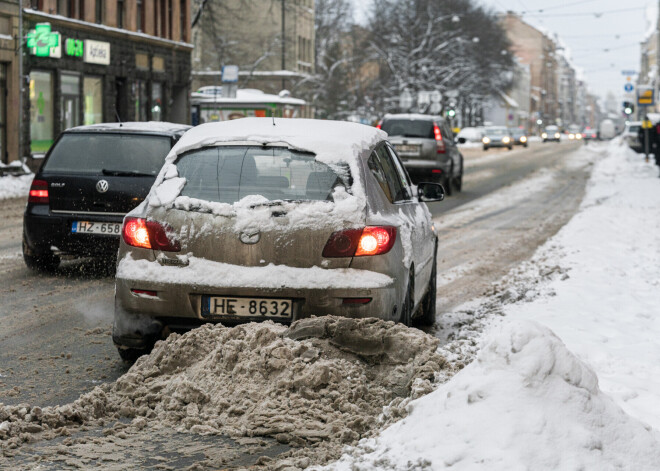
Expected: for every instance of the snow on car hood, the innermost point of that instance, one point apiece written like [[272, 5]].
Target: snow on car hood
[[333, 143]]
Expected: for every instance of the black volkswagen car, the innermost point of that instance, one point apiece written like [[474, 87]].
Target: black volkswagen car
[[89, 179]]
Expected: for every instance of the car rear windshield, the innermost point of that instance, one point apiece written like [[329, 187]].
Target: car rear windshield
[[227, 174], [409, 128], [497, 132], [108, 153]]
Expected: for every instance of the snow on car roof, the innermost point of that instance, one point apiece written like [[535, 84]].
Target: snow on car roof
[[135, 126], [427, 117], [330, 141]]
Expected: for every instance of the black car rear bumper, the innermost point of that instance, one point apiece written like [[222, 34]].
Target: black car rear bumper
[[45, 232]]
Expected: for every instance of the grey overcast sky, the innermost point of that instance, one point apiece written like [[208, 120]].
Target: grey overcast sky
[[601, 37]]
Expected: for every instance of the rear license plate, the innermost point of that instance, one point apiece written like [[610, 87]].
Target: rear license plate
[[407, 150], [90, 227], [247, 307]]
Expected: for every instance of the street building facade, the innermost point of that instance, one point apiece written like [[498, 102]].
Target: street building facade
[[86, 62], [271, 42]]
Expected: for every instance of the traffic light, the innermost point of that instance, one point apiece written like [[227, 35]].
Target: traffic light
[[451, 113], [628, 108]]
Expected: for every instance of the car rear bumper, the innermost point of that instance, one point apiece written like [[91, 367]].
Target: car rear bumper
[[47, 232], [177, 303]]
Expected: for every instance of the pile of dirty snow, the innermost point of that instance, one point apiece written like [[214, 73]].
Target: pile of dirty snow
[[321, 384], [525, 403]]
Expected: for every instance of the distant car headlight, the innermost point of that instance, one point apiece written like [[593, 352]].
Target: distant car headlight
[[571, 136], [578, 136], [544, 135], [505, 139], [557, 136], [523, 138], [486, 140]]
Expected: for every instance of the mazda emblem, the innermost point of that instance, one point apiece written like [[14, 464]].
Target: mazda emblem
[[250, 237], [102, 186]]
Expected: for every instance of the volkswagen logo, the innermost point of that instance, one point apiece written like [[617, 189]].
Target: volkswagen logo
[[102, 186], [250, 237]]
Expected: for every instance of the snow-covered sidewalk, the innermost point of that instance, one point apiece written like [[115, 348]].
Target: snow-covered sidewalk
[[14, 186], [584, 397]]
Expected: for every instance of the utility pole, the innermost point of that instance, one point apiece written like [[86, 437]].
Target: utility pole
[[21, 80], [283, 42]]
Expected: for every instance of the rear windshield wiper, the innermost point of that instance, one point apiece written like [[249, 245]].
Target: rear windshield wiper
[[125, 173]]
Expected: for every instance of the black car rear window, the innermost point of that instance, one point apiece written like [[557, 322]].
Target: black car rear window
[[98, 153], [409, 128], [226, 174]]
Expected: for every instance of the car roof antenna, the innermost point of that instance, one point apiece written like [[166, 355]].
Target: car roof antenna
[[118, 118], [273, 116]]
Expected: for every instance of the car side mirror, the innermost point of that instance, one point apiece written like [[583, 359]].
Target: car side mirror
[[429, 192], [461, 140]]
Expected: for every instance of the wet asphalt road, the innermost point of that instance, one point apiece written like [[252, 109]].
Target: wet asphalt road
[[55, 330]]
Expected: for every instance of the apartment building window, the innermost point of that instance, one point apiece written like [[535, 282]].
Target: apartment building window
[[99, 11], [184, 20], [120, 14], [140, 15], [63, 7], [5, 25], [163, 18]]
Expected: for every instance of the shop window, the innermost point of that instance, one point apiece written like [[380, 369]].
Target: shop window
[[158, 64], [93, 96], [41, 111], [69, 100], [156, 101], [140, 99]]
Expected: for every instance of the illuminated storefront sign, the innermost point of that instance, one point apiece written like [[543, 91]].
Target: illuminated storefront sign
[[74, 47], [43, 42]]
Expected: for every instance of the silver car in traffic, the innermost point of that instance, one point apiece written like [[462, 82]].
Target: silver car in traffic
[[260, 219]]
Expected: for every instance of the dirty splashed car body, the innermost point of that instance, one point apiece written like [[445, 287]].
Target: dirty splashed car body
[[259, 219]]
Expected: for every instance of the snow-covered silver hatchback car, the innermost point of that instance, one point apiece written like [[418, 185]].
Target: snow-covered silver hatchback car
[[260, 219]]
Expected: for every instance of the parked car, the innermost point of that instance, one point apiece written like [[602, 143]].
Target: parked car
[[497, 136], [427, 148], [551, 133], [631, 136], [519, 137], [259, 219], [89, 179], [470, 135]]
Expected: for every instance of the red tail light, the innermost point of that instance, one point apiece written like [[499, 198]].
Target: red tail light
[[139, 232], [38, 192], [440, 143], [379, 125], [372, 240]]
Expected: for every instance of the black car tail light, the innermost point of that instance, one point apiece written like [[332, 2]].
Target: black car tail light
[[371, 240], [38, 192], [138, 232]]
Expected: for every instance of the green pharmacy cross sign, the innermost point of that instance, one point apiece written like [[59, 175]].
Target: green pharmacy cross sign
[[42, 39]]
